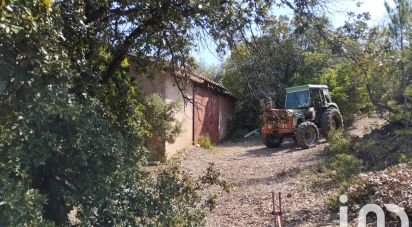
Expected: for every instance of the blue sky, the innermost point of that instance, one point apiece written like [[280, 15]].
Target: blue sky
[[206, 55]]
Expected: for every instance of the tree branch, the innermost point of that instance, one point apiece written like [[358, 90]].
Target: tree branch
[[377, 103], [120, 54]]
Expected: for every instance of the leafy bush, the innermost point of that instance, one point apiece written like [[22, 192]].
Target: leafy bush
[[20, 204], [333, 203], [160, 117], [350, 98], [345, 166], [205, 142], [338, 143], [405, 159], [169, 198], [343, 170], [161, 124]]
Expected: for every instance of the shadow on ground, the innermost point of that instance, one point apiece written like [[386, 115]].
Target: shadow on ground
[[304, 217], [287, 147], [277, 178], [265, 151]]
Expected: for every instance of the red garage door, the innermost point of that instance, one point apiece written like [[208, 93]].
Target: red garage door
[[206, 114]]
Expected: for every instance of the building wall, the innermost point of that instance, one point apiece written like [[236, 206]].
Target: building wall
[[226, 114], [184, 116], [164, 85], [149, 85]]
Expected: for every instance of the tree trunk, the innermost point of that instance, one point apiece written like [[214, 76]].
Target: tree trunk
[[55, 209], [404, 81]]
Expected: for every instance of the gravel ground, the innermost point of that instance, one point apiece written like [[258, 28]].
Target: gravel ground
[[257, 171]]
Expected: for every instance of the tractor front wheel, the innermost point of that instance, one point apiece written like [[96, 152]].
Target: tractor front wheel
[[272, 141], [307, 135]]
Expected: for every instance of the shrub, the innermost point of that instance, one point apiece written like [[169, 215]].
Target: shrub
[[384, 147], [19, 204], [159, 117], [338, 143], [406, 160], [332, 203], [345, 166], [205, 142]]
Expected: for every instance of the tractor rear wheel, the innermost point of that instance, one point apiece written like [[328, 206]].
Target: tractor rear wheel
[[331, 120], [272, 141], [307, 135]]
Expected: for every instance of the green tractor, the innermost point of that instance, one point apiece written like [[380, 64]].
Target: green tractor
[[308, 108]]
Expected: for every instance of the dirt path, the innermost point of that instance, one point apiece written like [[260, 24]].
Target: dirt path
[[256, 171]]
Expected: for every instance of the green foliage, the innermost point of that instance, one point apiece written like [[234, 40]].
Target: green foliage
[[378, 59], [400, 19], [351, 98], [160, 117], [384, 147], [406, 159], [343, 170], [178, 199], [19, 204], [166, 197], [73, 128], [333, 203], [46, 143], [205, 142], [262, 70], [161, 125], [282, 58], [345, 167], [213, 72], [338, 143]]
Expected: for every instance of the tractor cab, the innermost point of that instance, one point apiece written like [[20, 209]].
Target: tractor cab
[[311, 100], [306, 96]]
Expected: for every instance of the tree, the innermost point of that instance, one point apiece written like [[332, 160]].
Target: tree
[[213, 72], [377, 61], [262, 67], [72, 130], [400, 22]]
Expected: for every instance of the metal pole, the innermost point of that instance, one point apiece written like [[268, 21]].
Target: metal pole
[[280, 211], [274, 209]]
